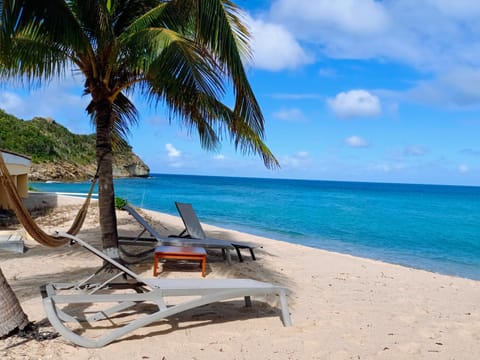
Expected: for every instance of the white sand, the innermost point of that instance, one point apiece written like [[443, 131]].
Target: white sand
[[342, 307]]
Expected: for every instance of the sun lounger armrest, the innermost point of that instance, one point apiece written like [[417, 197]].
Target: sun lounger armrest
[[135, 240]]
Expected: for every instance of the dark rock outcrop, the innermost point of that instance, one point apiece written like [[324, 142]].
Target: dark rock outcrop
[[126, 166], [129, 166]]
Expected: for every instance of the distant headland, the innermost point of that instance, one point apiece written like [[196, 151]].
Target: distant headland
[[59, 155]]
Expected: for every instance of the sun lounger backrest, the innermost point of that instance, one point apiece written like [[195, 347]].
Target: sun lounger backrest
[[101, 255], [141, 221], [190, 220]]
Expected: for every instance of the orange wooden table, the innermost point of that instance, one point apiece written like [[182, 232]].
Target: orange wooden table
[[179, 253]]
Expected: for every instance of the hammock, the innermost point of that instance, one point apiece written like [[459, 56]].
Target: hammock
[[25, 218]]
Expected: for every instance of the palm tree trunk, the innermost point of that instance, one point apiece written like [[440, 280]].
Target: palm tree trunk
[[12, 315], [106, 194]]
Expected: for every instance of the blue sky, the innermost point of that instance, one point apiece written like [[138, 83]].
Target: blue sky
[[355, 90]]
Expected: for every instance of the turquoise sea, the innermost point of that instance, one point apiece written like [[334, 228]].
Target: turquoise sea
[[430, 227]]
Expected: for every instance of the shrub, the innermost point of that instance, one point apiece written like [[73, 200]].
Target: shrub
[[120, 202]]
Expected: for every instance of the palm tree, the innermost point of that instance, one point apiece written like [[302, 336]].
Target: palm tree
[[177, 53], [185, 55], [11, 313]]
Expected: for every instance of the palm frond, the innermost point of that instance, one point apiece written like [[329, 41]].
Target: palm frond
[[36, 38], [219, 26], [146, 20], [184, 65], [212, 120], [125, 115]]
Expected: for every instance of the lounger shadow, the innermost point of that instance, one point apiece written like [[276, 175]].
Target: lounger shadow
[[124, 290], [194, 230]]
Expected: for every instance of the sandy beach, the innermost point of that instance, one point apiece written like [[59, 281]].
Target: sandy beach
[[342, 307]]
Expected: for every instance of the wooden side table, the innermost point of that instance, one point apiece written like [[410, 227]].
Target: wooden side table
[[179, 253]]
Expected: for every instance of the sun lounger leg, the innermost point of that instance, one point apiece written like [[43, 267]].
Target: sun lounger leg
[[226, 256], [238, 247], [248, 301], [52, 316], [240, 258], [287, 321]]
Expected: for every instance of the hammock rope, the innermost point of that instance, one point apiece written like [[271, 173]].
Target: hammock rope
[[24, 217]]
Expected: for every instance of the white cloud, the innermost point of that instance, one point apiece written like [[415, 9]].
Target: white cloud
[[157, 120], [327, 73], [462, 168], [355, 103], [11, 102], [356, 142], [54, 102], [354, 16], [388, 167], [171, 151], [297, 160], [437, 37], [458, 8], [176, 164], [219, 157], [407, 31], [471, 152], [61, 100], [274, 48], [415, 150], [289, 115], [457, 87], [299, 96]]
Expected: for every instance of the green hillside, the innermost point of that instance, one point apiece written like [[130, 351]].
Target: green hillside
[[44, 140]]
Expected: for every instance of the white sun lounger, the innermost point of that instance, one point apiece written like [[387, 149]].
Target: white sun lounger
[[122, 296]]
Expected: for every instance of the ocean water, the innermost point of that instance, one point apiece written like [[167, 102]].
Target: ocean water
[[431, 227]]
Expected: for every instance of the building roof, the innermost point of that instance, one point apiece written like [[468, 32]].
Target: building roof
[[13, 158]]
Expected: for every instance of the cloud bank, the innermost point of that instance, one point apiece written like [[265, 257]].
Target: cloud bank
[[436, 38]]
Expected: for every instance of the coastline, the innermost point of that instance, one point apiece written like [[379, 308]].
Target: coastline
[[342, 306], [433, 228]]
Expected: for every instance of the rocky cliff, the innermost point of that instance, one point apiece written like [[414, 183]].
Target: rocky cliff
[[59, 155], [127, 166]]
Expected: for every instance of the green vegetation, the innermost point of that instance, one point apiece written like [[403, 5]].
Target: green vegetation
[[44, 140], [120, 202]]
